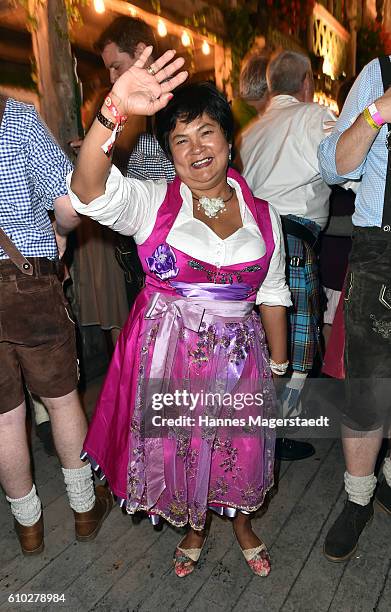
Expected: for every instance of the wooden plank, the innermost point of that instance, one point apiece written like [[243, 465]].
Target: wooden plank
[[384, 600], [153, 573], [318, 580], [222, 564], [89, 576], [59, 535], [366, 573], [291, 544]]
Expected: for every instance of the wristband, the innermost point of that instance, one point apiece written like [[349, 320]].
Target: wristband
[[368, 118], [376, 116], [118, 125], [109, 103], [107, 123]]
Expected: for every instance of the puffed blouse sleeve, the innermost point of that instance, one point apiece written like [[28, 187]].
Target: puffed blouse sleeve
[[128, 206], [274, 290]]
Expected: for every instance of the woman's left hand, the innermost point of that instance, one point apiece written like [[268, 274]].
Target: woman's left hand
[[144, 91]]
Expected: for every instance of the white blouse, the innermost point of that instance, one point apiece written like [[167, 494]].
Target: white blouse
[[130, 206]]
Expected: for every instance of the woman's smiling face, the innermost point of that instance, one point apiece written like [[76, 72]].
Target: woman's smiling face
[[200, 153]]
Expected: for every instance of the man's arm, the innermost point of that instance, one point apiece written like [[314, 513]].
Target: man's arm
[[354, 144], [342, 155]]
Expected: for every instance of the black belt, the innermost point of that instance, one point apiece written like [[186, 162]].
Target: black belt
[[298, 231]]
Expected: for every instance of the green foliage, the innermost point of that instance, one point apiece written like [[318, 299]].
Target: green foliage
[[72, 8], [241, 31]]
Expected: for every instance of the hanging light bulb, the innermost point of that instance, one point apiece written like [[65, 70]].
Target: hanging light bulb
[[99, 6], [205, 47], [161, 28], [185, 38]]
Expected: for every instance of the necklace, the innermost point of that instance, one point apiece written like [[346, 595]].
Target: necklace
[[212, 206]]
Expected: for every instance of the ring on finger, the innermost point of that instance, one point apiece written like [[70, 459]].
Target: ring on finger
[[151, 70]]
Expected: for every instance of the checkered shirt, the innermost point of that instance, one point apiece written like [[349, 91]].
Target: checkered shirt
[[373, 170], [148, 161], [32, 175]]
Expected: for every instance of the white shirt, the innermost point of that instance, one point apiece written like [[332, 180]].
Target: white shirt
[[279, 158], [130, 206]]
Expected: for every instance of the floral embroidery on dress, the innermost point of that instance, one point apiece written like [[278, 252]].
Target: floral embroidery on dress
[[133, 481], [244, 340], [162, 263], [250, 494], [197, 514], [222, 278], [219, 489], [178, 505], [191, 462], [206, 343], [182, 445], [230, 452]]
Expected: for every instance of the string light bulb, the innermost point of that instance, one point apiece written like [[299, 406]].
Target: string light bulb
[[99, 6], [185, 38], [205, 48], [161, 28]]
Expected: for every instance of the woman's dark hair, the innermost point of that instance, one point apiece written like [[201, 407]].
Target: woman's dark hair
[[189, 103]]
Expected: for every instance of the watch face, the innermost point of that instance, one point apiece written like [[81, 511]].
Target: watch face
[[108, 101]]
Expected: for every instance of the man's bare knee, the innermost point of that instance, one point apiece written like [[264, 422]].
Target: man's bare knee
[[66, 401]]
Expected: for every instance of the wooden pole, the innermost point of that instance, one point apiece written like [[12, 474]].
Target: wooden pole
[[54, 67]]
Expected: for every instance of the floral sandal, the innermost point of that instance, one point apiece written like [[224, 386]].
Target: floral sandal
[[185, 559], [258, 560]]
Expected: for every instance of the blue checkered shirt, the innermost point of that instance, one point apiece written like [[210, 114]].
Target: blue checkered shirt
[[32, 175], [148, 161], [372, 172]]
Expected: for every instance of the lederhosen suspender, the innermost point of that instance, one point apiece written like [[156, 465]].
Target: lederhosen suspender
[[5, 242], [385, 66]]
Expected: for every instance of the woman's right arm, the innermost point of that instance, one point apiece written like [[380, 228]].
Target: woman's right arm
[[137, 92]]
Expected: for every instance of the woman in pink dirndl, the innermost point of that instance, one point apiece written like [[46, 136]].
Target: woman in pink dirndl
[[175, 430]]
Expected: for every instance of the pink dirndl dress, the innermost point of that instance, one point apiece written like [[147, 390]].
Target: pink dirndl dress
[[193, 329]]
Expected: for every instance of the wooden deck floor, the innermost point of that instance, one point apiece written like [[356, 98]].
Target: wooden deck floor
[[128, 567]]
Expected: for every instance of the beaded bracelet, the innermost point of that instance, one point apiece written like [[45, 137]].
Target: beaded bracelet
[[278, 368]]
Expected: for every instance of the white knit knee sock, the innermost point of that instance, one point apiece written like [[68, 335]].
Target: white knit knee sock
[[28, 509], [360, 488], [80, 488], [387, 470]]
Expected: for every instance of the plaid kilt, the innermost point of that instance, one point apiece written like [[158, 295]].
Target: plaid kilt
[[305, 315]]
